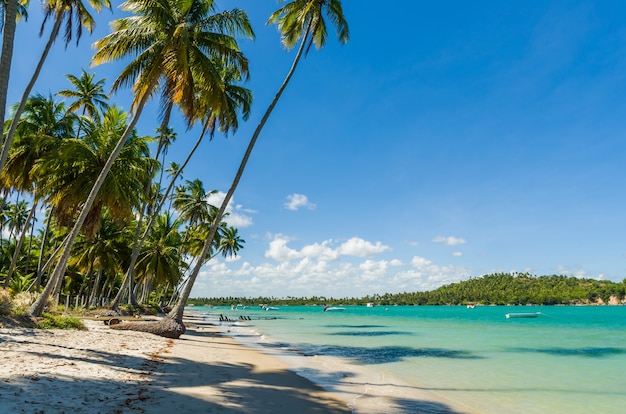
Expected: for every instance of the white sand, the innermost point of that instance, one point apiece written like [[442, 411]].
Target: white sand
[[110, 371]]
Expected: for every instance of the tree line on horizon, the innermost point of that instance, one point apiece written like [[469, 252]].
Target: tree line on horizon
[[117, 220], [491, 289]]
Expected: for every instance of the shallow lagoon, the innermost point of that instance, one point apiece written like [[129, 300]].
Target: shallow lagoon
[[451, 358]]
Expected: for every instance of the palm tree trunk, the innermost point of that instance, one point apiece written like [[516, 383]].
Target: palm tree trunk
[[29, 88], [10, 23], [20, 242], [44, 239], [137, 247], [177, 313], [37, 308], [96, 288]]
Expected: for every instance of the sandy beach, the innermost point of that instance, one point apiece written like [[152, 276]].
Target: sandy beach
[[111, 371]]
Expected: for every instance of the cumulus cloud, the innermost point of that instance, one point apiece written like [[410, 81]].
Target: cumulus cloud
[[237, 216], [449, 240], [361, 248], [297, 201], [355, 247], [457, 254], [307, 276]]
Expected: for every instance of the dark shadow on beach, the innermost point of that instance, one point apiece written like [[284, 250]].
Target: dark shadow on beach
[[243, 389], [355, 326]]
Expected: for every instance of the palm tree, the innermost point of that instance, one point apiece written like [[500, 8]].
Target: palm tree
[[160, 261], [89, 95], [68, 175], [62, 12], [12, 12], [298, 21], [39, 131], [191, 202], [102, 253], [166, 38]]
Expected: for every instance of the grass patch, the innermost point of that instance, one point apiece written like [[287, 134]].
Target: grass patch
[[49, 321]]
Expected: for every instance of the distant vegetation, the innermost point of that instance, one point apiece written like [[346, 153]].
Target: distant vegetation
[[494, 289]]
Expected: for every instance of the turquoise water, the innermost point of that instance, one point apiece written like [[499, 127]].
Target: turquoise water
[[451, 359]]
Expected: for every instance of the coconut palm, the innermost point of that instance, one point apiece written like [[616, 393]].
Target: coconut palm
[[160, 261], [43, 124], [298, 21], [12, 12], [174, 42], [68, 176], [191, 201], [74, 15], [88, 95], [165, 38], [102, 254]]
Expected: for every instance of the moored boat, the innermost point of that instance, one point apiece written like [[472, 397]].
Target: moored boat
[[522, 315], [333, 309]]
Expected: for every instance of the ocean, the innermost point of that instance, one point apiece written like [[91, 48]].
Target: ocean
[[448, 359]]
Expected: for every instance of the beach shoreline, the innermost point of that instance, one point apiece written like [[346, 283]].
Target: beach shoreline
[[102, 370]]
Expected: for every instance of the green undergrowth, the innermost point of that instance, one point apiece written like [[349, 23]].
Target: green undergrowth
[[50, 321]]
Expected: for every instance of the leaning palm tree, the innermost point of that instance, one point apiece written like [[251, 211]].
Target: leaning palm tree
[[166, 39], [67, 176], [12, 12], [298, 21], [70, 13]]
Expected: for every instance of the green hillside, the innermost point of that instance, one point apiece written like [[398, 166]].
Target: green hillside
[[494, 289]]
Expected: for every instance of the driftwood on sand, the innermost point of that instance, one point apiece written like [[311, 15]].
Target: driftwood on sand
[[166, 327]]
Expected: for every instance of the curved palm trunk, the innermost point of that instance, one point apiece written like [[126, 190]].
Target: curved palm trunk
[[10, 23], [18, 247], [37, 308], [129, 276], [137, 249], [44, 239], [177, 313], [29, 88]]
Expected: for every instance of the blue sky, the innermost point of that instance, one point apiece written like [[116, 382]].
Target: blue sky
[[446, 140]]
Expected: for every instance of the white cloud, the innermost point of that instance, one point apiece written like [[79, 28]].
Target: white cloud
[[355, 247], [361, 248], [296, 201], [324, 269], [457, 254], [237, 216], [449, 241]]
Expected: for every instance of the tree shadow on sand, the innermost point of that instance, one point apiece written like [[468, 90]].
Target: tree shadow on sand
[[241, 388]]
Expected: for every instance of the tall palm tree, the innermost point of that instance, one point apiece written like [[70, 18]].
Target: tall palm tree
[[166, 38], [101, 254], [298, 21], [191, 200], [68, 175], [87, 94], [12, 12], [161, 261], [70, 13], [44, 123]]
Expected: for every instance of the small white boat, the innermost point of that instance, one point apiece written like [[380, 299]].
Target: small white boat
[[471, 306], [522, 315], [270, 308], [333, 309], [370, 305]]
